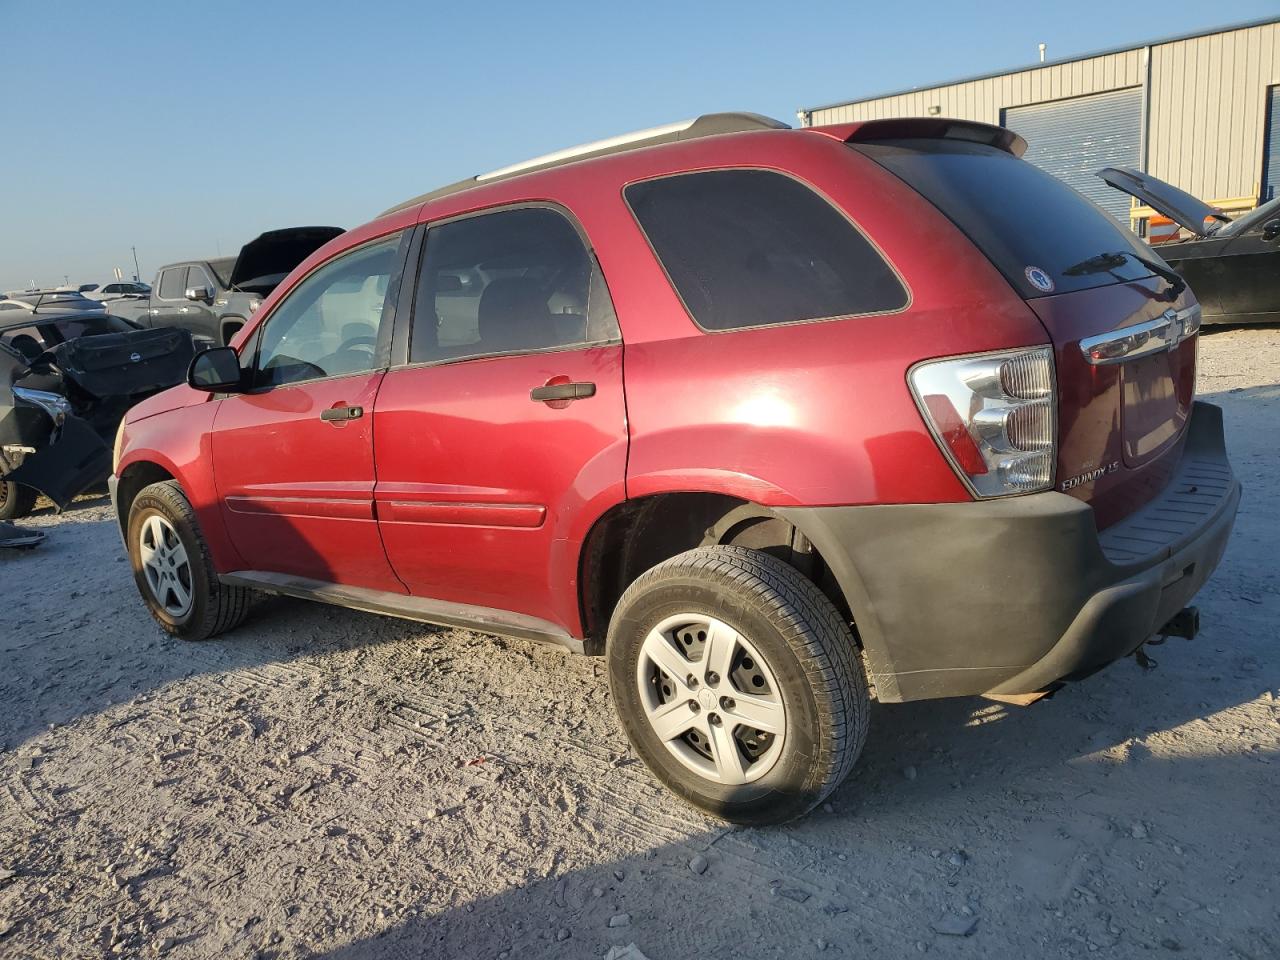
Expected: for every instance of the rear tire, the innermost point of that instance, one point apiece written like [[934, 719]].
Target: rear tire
[[173, 569], [16, 500], [757, 642]]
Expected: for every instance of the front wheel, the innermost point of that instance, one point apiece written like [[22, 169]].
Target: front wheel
[[738, 683], [173, 569], [16, 500]]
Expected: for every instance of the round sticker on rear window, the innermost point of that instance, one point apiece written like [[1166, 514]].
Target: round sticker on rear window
[[1039, 278]]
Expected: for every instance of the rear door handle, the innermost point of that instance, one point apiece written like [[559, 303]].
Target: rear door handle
[[562, 391], [342, 413]]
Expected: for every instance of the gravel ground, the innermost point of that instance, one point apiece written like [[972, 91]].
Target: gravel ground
[[328, 783]]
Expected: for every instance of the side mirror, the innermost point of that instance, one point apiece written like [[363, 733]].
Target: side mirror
[[216, 370], [1271, 231], [202, 293]]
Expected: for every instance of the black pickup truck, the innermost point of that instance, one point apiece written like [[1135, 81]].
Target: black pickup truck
[[214, 298]]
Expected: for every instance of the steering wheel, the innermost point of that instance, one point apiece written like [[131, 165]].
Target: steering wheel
[[370, 343]]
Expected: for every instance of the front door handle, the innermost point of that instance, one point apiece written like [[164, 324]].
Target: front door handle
[[342, 413], [562, 391]]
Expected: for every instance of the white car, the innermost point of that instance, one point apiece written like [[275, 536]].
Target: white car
[[116, 289]]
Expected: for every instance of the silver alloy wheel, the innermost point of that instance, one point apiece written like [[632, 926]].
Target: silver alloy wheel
[[711, 698], [165, 565]]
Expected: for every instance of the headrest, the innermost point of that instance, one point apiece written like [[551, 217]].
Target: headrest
[[513, 315]]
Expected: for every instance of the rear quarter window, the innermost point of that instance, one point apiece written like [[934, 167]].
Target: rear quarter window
[[752, 248]]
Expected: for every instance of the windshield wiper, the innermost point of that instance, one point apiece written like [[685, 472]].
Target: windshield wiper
[[1117, 258]]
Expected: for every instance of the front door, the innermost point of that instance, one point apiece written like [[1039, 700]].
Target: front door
[[1251, 274], [507, 422], [293, 457]]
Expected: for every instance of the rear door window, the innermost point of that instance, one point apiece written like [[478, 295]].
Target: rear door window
[[751, 248], [172, 283], [517, 280], [1037, 230]]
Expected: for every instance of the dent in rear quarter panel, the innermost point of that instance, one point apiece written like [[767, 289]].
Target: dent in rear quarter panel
[[179, 440], [815, 413]]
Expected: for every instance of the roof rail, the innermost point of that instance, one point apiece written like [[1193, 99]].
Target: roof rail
[[707, 125]]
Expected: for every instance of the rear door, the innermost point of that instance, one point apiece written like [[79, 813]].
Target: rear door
[[293, 457], [168, 297], [506, 419], [1125, 359]]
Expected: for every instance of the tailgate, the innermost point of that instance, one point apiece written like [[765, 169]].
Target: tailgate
[[1126, 366], [127, 364], [1098, 290]]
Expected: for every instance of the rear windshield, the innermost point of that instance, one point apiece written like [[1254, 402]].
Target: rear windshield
[[750, 248], [1030, 224]]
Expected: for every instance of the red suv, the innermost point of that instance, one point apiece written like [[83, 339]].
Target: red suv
[[767, 417]]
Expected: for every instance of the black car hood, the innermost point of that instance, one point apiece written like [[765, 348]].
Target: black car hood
[[279, 251], [1178, 205]]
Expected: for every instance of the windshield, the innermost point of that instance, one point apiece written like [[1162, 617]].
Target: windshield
[[223, 267], [1255, 216], [1030, 224]]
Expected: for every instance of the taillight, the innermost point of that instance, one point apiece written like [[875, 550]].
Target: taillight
[[995, 417]]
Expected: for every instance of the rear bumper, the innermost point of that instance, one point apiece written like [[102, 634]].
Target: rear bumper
[[1011, 596]]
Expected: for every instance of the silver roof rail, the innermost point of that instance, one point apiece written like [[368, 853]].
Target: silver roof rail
[[707, 125]]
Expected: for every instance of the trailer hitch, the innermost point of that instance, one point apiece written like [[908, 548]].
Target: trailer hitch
[[1185, 623]]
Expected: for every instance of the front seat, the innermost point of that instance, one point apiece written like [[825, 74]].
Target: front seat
[[513, 315]]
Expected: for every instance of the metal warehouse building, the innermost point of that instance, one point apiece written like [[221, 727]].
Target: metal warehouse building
[[1200, 111]]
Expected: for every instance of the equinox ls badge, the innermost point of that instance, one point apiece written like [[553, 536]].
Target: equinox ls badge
[[1091, 475]]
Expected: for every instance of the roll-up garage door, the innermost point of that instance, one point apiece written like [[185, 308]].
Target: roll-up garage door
[[1073, 139], [1271, 154]]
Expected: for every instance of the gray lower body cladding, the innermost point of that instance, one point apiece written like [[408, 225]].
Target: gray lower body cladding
[[1010, 596]]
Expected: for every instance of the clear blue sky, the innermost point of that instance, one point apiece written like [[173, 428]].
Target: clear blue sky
[[188, 128]]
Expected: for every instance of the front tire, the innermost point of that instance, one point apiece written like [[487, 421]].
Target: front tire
[[173, 569], [16, 500], [738, 683]]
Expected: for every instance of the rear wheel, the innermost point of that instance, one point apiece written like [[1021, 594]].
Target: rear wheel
[[738, 683], [173, 569], [16, 500]]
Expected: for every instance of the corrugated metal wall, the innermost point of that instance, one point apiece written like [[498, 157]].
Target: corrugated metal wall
[[1207, 108], [984, 99], [1208, 100], [1113, 137]]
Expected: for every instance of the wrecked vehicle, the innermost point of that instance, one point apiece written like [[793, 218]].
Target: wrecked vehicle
[[66, 379], [1232, 265], [214, 298]]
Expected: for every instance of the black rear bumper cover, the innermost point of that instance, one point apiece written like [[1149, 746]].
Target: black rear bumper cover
[[1011, 596]]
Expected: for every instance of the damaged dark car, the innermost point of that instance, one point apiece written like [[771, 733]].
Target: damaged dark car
[[1232, 265], [67, 376]]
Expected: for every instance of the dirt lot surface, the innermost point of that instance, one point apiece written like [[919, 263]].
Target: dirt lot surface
[[328, 783]]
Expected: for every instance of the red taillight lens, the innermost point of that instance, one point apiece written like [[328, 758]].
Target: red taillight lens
[[955, 435]]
